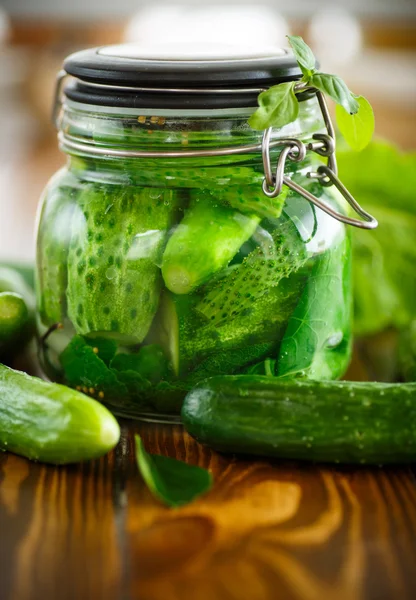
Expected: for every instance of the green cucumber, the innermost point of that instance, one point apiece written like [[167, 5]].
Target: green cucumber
[[54, 233], [11, 280], [50, 422], [190, 341], [278, 254], [169, 326], [252, 200], [203, 243], [13, 316], [250, 335], [17, 313], [334, 421], [114, 280]]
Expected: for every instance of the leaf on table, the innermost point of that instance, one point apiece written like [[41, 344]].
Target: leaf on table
[[383, 180], [172, 481]]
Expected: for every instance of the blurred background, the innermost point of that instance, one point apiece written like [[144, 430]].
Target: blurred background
[[370, 43]]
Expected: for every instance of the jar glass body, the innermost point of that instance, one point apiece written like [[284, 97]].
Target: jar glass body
[[155, 273]]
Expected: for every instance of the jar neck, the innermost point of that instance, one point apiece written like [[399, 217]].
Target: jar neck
[[152, 129], [123, 131]]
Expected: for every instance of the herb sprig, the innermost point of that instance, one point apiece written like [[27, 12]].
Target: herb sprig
[[279, 105]]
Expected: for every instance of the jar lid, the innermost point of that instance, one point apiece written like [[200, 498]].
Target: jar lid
[[177, 75]]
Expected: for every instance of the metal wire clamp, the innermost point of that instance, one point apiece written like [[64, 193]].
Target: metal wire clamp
[[327, 175]]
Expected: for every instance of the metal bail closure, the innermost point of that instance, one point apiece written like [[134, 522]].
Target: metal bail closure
[[292, 148], [327, 175], [295, 150]]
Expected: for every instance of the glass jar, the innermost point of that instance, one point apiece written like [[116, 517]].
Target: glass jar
[[160, 259]]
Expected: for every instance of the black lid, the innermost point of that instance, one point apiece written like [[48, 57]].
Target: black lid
[[219, 77]]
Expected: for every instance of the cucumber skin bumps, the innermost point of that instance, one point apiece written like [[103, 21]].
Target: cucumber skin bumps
[[114, 281]]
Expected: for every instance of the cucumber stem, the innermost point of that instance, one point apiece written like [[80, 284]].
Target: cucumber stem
[[47, 333]]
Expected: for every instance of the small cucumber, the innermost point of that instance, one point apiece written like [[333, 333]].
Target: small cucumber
[[58, 217], [114, 279], [23, 308], [278, 254], [13, 316], [13, 280], [252, 200], [203, 243], [168, 327], [189, 340], [335, 421], [52, 423]]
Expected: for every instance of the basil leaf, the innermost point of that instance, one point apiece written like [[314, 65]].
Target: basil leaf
[[278, 106], [337, 89], [172, 481], [357, 129], [303, 54]]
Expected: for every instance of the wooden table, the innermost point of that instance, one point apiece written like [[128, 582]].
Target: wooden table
[[267, 531]]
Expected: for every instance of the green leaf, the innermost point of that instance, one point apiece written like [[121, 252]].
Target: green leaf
[[172, 481], [83, 367], [150, 363], [317, 339], [303, 54], [337, 89], [278, 106], [383, 180], [85, 364], [105, 348], [358, 128]]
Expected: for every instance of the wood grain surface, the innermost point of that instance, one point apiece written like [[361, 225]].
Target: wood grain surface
[[268, 530]]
